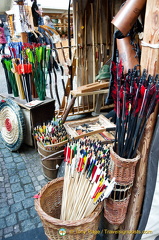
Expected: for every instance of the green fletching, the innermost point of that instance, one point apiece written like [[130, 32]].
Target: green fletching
[[39, 53], [8, 64], [48, 51], [30, 55]]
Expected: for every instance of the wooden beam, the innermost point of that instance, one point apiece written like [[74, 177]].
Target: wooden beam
[[150, 56], [78, 93], [136, 199], [149, 61]]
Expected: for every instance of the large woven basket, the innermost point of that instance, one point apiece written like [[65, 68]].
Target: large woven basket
[[48, 207]]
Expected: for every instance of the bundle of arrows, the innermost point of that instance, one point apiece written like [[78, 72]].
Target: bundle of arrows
[[27, 68], [50, 133], [86, 180], [135, 96]]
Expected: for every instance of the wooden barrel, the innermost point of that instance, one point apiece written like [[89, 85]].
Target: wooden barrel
[[50, 164]]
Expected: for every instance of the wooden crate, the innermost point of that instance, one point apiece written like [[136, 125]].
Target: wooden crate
[[96, 128]]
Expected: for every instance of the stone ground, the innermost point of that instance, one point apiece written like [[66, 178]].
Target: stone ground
[[20, 179]]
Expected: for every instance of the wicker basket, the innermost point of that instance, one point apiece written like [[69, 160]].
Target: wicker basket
[[115, 211], [48, 207], [50, 165], [122, 169], [115, 207]]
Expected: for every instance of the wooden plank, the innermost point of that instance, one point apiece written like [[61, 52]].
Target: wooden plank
[[135, 204], [149, 61], [79, 110], [98, 103], [22, 102], [77, 93], [96, 124], [93, 86], [150, 56], [93, 41]]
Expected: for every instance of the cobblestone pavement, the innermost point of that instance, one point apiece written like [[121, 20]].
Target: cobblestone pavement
[[20, 179]]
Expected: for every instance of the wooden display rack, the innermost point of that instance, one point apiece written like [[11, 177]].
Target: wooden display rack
[[104, 132], [96, 128]]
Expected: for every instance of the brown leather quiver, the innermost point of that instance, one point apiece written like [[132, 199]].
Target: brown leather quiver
[[127, 15], [127, 54]]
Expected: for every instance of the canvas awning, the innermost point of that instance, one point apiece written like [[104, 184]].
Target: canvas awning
[[5, 6]]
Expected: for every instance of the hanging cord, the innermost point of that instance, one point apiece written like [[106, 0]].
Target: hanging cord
[[151, 45]]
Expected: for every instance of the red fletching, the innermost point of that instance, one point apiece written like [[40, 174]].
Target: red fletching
[[152, 90], [80, 165], [113, 68], [116, 71], [135, 88], [142, 90], [139, 103], [93, 172], [27, 45], [121, 93], [24, 68], [13, 51], [36, 45], [113, 94], [120, 69], [67, 153], [37, 196]]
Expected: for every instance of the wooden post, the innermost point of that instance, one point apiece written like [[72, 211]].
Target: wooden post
[[136, 200], [150, 56], [149, 61], [111, 231]]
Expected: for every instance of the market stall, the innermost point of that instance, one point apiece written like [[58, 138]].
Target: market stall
[[112, 64]]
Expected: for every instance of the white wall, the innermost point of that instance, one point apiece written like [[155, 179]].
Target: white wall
[[51, 4], [59, 4]]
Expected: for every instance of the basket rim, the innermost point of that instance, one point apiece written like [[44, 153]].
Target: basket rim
[[56, 145], [128, 160], [50, 157], [59, 222]]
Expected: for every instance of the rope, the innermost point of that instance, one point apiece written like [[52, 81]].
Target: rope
[[151, 45]]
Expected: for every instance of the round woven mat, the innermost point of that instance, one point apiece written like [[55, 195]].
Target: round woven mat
[[11, 124]]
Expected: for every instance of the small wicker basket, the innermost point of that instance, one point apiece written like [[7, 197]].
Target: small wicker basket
[[48, 207], [115, 211], [115, 207], [122, 169]]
